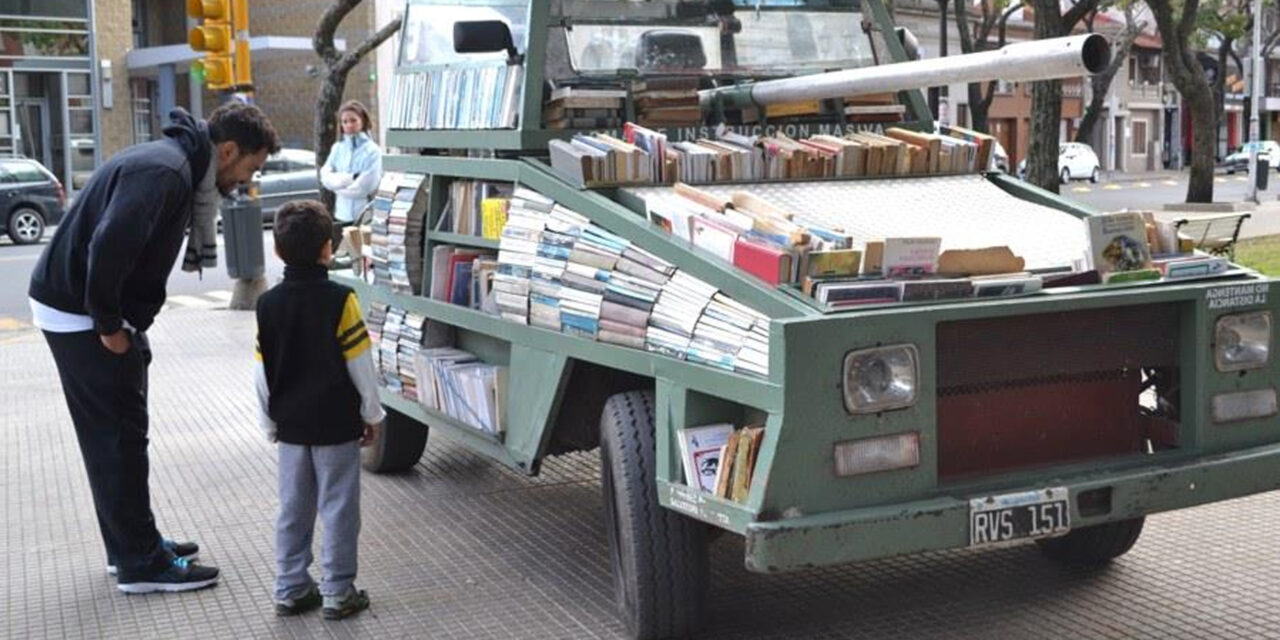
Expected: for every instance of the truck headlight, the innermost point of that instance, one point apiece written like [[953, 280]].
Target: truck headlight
[[884, 453], [880, 379], [1242, 341]]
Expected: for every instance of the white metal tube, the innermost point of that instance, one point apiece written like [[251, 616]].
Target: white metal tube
[[1048, 59]]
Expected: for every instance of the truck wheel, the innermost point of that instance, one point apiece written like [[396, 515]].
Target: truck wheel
[[1098, 544], [398, 447], [661, 570]]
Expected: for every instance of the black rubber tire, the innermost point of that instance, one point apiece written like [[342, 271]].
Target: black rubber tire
[[26, 225], [1096, 176], [398, 447], [1066, 176], [1094, 545], [659, 558]]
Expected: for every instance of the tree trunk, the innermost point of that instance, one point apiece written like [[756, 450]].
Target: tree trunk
[[1046, 119], [326, 126], [979, 107], [1198, 101], [1188, 76]]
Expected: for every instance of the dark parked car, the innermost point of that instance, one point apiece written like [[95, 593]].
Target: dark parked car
[[31, 198], [288, 175]]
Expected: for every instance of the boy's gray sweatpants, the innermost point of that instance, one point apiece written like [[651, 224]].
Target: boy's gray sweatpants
[[324, 479]]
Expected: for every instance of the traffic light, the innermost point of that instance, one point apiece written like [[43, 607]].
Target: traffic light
[[223, 37]]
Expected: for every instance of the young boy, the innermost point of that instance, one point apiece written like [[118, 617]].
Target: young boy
[[317, 390]]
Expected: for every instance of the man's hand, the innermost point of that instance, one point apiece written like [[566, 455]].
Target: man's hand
[[117, 343], [370, 434]]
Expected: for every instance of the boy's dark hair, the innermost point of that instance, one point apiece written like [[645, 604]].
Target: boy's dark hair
[[301, 229], [245, 125]]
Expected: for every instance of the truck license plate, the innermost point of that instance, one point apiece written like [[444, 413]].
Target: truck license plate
[[1017, 516]]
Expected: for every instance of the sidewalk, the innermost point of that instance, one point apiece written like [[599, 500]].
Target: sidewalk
[[461, 547]]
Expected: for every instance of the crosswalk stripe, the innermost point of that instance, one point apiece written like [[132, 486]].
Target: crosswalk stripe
[[1112, 187], [1170, 183], [1219, 180], [1142, 185], [1081, 189], [221, 296], [12, 324], [192, 302]]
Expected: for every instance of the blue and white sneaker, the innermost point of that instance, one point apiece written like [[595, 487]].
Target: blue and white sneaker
[[180, 575], [188, 551]]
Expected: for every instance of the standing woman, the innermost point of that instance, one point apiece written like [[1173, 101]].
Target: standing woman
[[354, 167]]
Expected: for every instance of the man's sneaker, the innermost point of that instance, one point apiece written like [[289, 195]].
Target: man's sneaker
[[349, 604], [310, 599], [179, 576], [188, 550]]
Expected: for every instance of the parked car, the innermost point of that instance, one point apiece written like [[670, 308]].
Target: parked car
[[288, 175], [31, 198], [1267, 149], [1076, 160]]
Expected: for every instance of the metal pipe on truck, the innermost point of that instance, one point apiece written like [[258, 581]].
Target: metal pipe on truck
[[1050, 59]]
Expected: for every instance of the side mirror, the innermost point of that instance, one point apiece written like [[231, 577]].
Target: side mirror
[[909, 42], [483, 36]]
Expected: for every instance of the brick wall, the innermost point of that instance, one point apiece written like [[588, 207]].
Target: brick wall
[[113, 30]]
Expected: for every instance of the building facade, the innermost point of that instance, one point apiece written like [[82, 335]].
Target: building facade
[[82, 79]]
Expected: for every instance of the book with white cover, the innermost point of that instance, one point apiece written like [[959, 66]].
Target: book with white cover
[[700, 450]]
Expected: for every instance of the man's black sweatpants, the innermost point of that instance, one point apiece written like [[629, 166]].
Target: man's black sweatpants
[[107, 396]]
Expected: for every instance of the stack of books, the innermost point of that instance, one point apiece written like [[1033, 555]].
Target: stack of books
[[374, 322], [880, 107], [559, 271], [667, 102], [389, 348], [376, 271], [585, 107], [407, 348], [459, 385], [645, 156], [485, 97], [404, 234]]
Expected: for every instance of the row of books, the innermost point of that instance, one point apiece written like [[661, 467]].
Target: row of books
[[475, 208], [460, 385], [462, 276], [646, 156], [457, 98], [559, 271], [397, 337], [1128, 246], [719, 459], [395, 239]]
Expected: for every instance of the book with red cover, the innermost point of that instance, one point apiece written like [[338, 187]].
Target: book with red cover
[[770, 264], [459, 255]]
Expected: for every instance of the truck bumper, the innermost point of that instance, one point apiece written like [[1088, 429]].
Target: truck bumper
[[943, 522]]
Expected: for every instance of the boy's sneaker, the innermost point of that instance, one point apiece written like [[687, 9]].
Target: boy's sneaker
[[188, 550], [309, 600], [352, 602], [179, 576]]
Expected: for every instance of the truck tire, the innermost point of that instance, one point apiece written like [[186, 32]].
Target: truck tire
[[398, 447], [1097, 545], [661, 570]]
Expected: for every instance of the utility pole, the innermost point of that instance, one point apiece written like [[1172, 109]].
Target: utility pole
[[1257, 71]]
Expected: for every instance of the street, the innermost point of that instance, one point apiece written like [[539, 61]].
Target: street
[[212, 290], [1154, 193]]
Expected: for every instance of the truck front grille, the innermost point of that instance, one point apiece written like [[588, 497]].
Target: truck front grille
[[1027, 391]]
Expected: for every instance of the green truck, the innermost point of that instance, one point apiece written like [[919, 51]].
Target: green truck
[[1063, 417]]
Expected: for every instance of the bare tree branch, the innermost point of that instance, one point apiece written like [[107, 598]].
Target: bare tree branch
[[322, 42], [353, 57]]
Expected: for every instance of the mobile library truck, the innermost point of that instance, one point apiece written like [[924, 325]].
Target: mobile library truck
[[781, 301]]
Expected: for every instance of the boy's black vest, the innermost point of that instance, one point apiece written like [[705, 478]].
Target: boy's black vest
[[313, 400]]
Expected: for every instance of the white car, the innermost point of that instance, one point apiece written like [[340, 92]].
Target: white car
[[1267, 150], [1076, 160]]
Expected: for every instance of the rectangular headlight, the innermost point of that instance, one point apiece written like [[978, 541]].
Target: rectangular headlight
[[1242, 341], [1244, 405], [880, 379], [884, 453]]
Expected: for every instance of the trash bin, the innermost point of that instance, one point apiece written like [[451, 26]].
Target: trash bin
[[1260, 170], [242, 230]]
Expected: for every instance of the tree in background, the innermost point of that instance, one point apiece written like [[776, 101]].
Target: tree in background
[[1222, 24], [336, 67], [1176, 20], [994, 17], [1100, 84], [1046, 96]]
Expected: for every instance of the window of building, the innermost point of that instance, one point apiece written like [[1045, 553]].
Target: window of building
[[1138, 139], [46, 8], [1148, 68], [139, 24], [141, 89]]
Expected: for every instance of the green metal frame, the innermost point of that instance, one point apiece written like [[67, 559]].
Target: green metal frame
[[798, 512]]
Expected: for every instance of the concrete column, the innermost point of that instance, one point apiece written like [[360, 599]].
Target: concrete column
[[166, 92]]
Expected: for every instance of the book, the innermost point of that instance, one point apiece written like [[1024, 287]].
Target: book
[[844, 293], [724, 471], [749, 441], [1192, 266], [1117, 242], [978, 262], [1010, 284], [1131, 275], [910, 257], [936, 289], [700, 449], [771, 264], [835, 263], [493, 217]]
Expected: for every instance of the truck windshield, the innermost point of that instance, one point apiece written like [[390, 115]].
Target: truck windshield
[[747, 36]]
